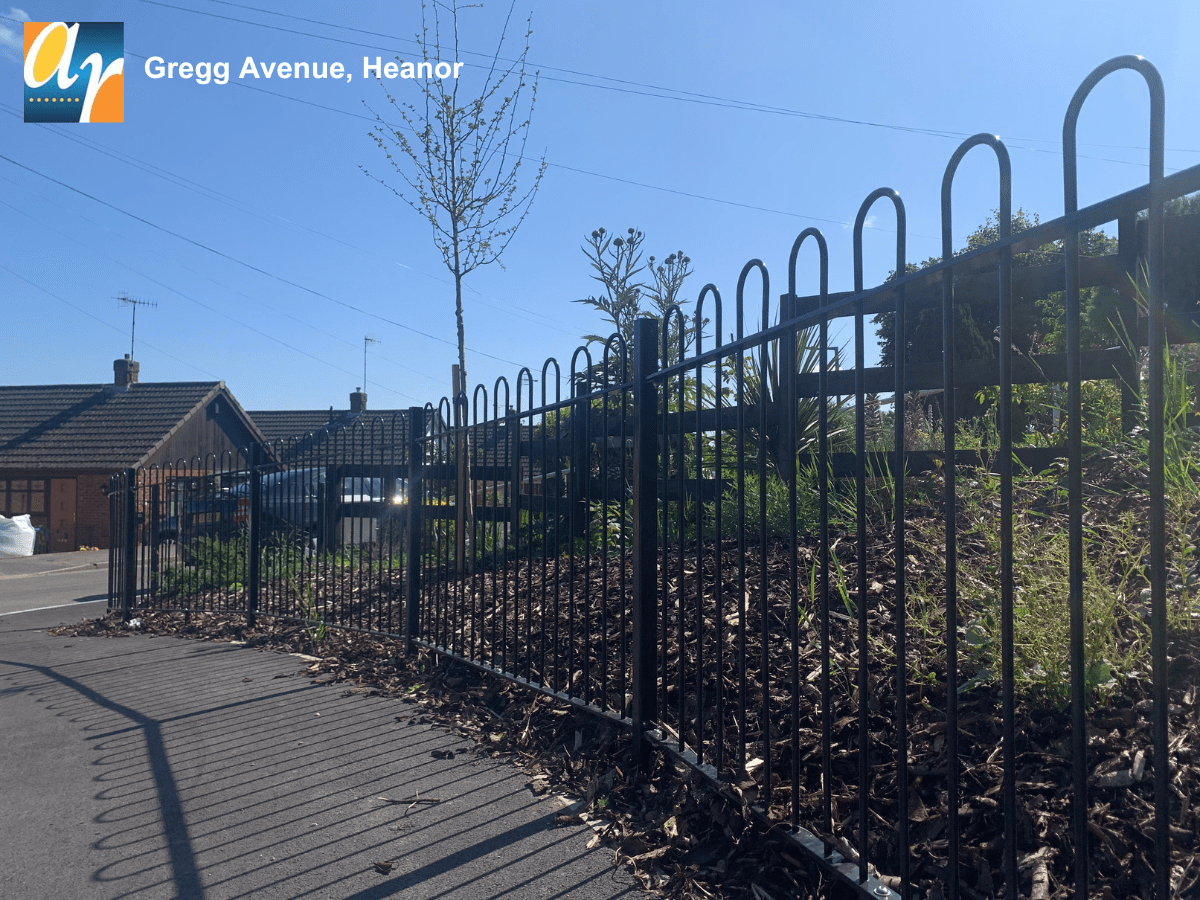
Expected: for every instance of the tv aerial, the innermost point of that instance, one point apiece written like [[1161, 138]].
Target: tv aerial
[[367, 341], [133, 303]]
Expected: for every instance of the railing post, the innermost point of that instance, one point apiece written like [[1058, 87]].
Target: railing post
[[330, 511], [254, 538], [114, 539], [129, 588], [645, 535], [412, 555], [155, 537]]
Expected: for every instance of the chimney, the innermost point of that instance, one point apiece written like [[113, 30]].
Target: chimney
[[358, 401], [125, 371]]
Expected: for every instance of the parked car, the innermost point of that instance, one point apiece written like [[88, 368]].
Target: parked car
[[295, 497]]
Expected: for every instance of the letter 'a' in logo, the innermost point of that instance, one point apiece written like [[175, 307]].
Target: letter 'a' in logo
[[75, 73]]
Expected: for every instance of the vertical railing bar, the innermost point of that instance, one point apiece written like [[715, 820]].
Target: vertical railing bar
[[680, 602], [822, 423], [581, 469], [645, 538], [1004, 422], [1075, 561], [740, 382], [860, 508], [114, 542], [900, 353], [764, 546], [556, 663], [603, 527], [823, 514], [1157, 336], [1156, 339], [413, 550], [681, 474], [950, 505], [787, 362], [623, 647], [897, 473], [699, 623], [254, 528], [542, 680], [664, 546], [719, 573], [129, 585]]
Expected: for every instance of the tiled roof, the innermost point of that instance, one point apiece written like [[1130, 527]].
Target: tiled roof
[[92, 426], [295, 434], [281, 424]]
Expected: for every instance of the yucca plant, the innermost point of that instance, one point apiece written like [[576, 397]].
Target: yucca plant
[[762, 383]]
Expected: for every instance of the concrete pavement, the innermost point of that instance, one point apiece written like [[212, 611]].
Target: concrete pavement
[[155, 767]]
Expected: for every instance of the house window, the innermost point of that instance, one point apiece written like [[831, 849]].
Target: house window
[[19, 496]]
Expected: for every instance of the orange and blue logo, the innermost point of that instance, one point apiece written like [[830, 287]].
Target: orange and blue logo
[[74, 73]]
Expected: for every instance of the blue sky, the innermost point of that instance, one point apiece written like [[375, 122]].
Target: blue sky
[[235, 207]]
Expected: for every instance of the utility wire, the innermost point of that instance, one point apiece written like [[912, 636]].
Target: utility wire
[[247, 265], [243, 207], [642, 184], [109, 325], [187, 297], [664, 93], [191, 299]]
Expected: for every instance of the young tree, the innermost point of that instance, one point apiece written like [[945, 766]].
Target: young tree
[[460, 157]]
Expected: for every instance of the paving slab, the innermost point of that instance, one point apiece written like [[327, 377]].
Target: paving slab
[[156, 767]]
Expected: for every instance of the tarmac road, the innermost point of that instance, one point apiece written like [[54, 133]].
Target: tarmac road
[[54, 579]]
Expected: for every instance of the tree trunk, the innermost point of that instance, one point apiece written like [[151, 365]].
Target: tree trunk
[[465, 501]]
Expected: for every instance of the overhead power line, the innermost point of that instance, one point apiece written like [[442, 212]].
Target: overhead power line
[[250, 266], [190, 299], [249, 209], [109, 325], [622, 85]]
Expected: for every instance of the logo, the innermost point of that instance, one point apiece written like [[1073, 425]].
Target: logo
[[75, 73]]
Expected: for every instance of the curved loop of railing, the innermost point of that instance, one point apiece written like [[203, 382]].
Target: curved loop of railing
[[709, 288], [442, 421], [587, 373], [860, 478], [551, 361], [823, 514], [766, 295], [501, 380], [681, 322], [525, 375], [860, 222], [763, 380], [618, 341], [948, 429], [822, 249], [475, 403], [1156, 340]]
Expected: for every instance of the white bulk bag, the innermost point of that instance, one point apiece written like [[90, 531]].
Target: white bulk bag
[[17, 536]]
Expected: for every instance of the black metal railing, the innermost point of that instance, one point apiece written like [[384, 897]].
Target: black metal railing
[[724, 549]]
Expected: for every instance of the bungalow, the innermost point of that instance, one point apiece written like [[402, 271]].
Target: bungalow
[[60, 443]]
